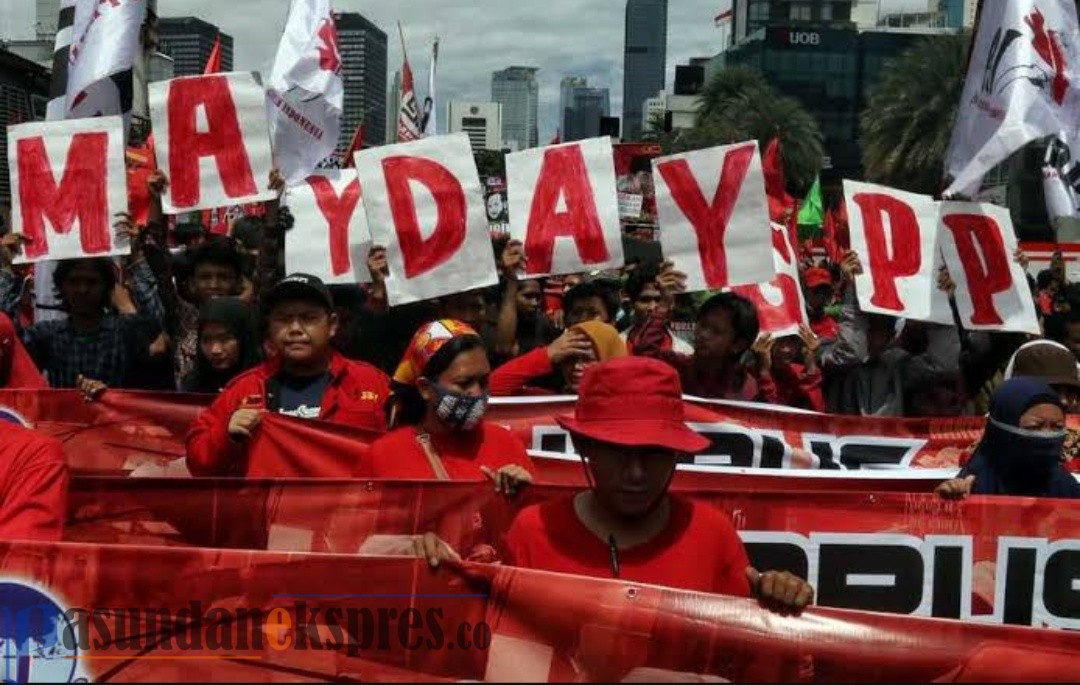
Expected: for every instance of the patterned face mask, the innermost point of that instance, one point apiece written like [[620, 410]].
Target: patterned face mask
[[460, 411]]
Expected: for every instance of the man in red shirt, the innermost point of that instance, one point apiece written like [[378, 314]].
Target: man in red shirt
[[33, 485], [305, 378], [629, 428]]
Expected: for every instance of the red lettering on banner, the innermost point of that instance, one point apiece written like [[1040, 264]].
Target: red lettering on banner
[[81, 195], [986, 266], [787, 313], [338, 212], [564, 174], [420, 254], [710, 221], [224, 140], [906, 257]]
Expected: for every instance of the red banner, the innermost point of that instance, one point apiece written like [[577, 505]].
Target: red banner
[[129, 614], [899, 553], [126, 430]]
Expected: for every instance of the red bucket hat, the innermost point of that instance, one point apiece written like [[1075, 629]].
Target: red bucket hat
[[633, 401], [817, 277]]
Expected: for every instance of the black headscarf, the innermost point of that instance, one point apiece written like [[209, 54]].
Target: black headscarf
[[235, 315], [1013, 461]]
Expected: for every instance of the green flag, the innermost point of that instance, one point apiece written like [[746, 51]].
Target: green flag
[[811, 212]]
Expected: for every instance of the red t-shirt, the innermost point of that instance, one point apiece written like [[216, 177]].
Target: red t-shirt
[[699, 550], [399, 454], [33, 485]]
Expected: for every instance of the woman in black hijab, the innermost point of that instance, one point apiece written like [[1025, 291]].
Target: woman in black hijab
[[1020, 452], [228, 345]]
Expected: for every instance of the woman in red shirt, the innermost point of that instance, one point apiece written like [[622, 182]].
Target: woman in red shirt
[[436, 414], [586, 343]]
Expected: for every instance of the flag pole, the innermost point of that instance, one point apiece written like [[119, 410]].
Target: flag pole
[[401, 35]]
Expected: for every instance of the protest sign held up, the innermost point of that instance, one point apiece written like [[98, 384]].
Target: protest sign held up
[[70, 184]]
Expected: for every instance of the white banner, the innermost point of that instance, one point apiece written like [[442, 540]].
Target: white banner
[[330, 237], [1021, 86], [425, 205], [305, 92], [68, 183], [992, 293], [714, 216], [564, 207], [212, 140]]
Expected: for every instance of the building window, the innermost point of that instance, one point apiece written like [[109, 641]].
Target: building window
[[801, 11], [758, 10], [826, 12]]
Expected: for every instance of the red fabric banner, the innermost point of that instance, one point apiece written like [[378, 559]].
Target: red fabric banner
[[125, 430], [896, 552], [127, 614]]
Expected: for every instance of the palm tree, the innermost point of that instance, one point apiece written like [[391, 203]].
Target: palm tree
[[739, 104], [908, 121]]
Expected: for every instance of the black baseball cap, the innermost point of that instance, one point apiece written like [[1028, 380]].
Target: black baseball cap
[[300, 287]]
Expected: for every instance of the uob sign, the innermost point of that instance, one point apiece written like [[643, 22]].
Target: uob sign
[[804, 38]]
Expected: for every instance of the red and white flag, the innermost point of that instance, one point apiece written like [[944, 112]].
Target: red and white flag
[[1061, 176], [408, 116], [1023, 83], [104, 41], [305, 93]]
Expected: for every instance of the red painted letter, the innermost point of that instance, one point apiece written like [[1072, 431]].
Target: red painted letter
[[338, 211], [223, 141], [709, 220], [80, 196], [424, 254], [563, 174], [776, 317], [986, 265], [894, 256]]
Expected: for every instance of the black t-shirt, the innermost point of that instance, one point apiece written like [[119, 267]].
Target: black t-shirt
[[301, 396]]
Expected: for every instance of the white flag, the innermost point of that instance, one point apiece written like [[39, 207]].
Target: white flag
[[1061, 176], [104, 42], [305, 92], [429, 121], [1022, 85]]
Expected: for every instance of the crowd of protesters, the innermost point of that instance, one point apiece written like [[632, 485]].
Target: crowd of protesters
[[212, 312]]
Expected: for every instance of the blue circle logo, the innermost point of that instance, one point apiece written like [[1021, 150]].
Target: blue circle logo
[[37, 641]]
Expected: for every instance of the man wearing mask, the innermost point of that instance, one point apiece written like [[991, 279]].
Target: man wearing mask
[[629, 428], [305, 378]]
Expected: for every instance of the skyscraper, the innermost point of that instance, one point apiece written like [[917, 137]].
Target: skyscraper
[[566, 97], [189, 40], [587, 107], [363, 66], [517, 90], [481, 121], [644, 60], [46, 17]]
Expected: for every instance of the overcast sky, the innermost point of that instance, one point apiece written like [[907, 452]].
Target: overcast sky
[[561, 37]]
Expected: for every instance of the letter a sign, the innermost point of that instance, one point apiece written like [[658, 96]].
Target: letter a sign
[[68, 182], [213, 141]]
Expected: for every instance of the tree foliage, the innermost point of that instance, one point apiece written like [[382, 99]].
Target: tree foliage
[[738, 104], [908, 121]]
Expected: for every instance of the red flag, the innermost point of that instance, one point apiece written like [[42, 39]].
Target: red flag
[[408, 115], [355, 144], [780, 203], [213, 63]]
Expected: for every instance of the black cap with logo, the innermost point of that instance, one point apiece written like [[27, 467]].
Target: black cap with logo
[[299, 287]]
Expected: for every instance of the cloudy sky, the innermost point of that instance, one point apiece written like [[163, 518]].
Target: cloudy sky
[[561, 37]]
